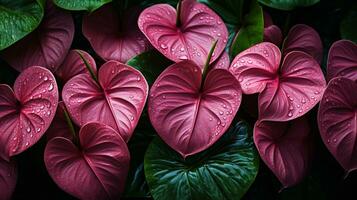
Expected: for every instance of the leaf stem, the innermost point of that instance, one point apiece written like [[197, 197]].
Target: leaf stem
[[70, 126], [209, 56], [178, 13], [94, 77]]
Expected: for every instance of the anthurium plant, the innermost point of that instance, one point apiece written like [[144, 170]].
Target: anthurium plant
[[178, 99]]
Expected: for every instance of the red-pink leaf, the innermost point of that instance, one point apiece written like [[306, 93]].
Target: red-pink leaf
[[117, 102], [8, 178], [110, 41], [26, 112], [342, 60], [297, 90], [256, 66], [59, 126], [337, 121], [222, 62], [97, 170], [74, 65], [303, 38], [187, 118], [47, 46], [285, 148], [273, 34], [200, 27]]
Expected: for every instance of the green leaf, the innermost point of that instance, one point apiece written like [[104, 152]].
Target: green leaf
[[251, 30], [88, 5], [150, 64], [229, 10], [348, 25], [17, 19], [224, 171], [288, 4]]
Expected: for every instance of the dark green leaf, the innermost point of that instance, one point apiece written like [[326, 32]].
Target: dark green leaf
[[251, 30], [288, 4], [150, 64], [224, 171], [348, 25], [17, 19], [229, 10], [88, 5]]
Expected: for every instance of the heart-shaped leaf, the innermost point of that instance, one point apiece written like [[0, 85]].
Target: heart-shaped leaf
[[190, 118], [150, 63], [288, 4], [272, 33], [47, 46], [26, 112], [250, 31], [191, 40], [285, 93], [8, 178], [74, 65], [95, 170], [110, 40], [285, 147], [342, 60], [88, 5], [224, 171], [59, 126], [303, 38], [222, 62], [17, 19], [118, 101], [337, 121]]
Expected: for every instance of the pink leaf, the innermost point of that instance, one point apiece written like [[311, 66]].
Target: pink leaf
[[26, 112], [297, 90], [285, 148], [74, 65], [222, 61], [273, 34], [200, 27], [108, 39], [8, 178], [337, 121], [96, 170], [59, 126], [47, 46], [256, 66], [342, 60], [118, 101], [187, 118], [303, 38]]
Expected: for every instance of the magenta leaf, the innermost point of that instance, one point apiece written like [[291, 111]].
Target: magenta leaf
[[222, 61], [338, 123], [26, 112], [95, 170], [187, 118], [110, 40], [273, 34], [192, 40], [47, 46], [74, 65], [303, 38], [118, 101], [285, 93], [342, 60], [8, 178], [285, 148], [59, 126]]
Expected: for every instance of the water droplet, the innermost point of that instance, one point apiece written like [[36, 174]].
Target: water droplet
[[201, 18], [290, 114], [42, 107], [240, 79], [219, 34], [220, 112], [50, 87], [163, 96], [113, 71], [223, 124], [300, 111], [28, 129], [131, 97], [138, 78], [335, 140], [291, 107], [183, 57], [250, 61], [131, 118], [219, 122], [210, 119], [291, 99], [224, 118], [316, 92], [224, 105], [38, 130], [15, 138], [27, 143], [328, 141], [163, 46], [219, 22], [303, 101], [48, 113], [298, 106], [31, 135], [45, 78]]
